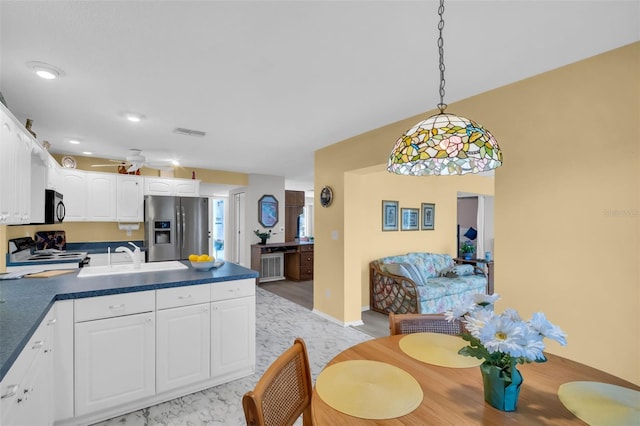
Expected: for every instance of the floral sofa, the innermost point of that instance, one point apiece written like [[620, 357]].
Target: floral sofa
[[423, 283]]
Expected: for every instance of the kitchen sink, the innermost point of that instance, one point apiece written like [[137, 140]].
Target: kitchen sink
[[127, 268]]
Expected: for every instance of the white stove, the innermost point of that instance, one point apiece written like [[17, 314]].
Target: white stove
[[23, 257]]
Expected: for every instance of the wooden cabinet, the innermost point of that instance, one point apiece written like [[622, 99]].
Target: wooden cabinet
[[294, 207], [115, 355], [298, 259], [233, 330], [183, 336], [27, 388], [299, 265]]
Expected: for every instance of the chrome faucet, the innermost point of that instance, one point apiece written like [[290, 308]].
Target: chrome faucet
[[135, 254]]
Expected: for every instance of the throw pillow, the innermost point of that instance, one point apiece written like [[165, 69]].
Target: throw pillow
[[462, 270], [406, 270]]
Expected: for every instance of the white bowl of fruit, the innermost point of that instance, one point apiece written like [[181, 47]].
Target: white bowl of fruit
[[202, 261]]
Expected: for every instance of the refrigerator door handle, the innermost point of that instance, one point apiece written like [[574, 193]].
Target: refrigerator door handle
[[183, 222]]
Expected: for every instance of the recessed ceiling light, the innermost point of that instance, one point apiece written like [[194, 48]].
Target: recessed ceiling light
[[175, 162], [134, 117], [44, 70], [74, 141], [87, 152]]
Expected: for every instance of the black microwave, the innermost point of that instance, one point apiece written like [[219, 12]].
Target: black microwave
[[54, 210]]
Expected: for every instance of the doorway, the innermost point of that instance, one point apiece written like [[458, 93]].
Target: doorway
[[475, 222]]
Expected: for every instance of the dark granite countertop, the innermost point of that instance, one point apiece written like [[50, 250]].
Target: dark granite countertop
[[25, 302]]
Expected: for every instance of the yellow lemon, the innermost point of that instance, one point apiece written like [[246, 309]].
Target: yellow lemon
[[211, 259], [203, 258], [193, 257]]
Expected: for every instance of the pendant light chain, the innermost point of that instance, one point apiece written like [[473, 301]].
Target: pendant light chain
[[441, 106]]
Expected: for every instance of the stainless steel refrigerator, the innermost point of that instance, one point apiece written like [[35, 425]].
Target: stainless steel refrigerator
[[175, 227]]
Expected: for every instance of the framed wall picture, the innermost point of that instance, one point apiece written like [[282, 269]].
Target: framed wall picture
[[410, 220], [428, 216], [389, 215], [268, 211]]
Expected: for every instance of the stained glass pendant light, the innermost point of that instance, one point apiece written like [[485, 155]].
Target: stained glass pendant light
[[444, 144]]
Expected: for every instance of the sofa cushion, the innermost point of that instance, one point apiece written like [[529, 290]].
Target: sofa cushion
[[442, 290]]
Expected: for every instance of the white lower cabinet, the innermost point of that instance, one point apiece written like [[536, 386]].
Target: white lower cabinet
[[27, 388], [114, 356], [183, 338], [118, 353], [233, 337]]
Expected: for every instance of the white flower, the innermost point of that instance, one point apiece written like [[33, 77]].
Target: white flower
[[540, 323], [471, 303], [485, 299], [533, 345], [512, 314], [501, 334], [475, 321]]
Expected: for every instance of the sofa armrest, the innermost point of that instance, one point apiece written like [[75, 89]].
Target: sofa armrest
[[391, 293]]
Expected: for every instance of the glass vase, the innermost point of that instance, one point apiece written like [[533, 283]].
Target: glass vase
[[499, 391]]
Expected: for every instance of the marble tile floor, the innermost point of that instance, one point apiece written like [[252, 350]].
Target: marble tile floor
[[278, 322]]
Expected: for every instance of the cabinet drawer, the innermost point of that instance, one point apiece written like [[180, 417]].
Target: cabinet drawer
[[306, 248], [114, 305], [232, 289], [182, 296]]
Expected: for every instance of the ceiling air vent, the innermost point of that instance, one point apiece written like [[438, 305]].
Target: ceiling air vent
[[188, 132]]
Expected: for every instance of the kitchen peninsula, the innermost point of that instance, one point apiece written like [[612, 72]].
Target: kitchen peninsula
[[122, 342]]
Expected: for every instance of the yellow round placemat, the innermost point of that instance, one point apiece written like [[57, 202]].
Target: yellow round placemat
[[437, 349], [601, 403], [369, 389]]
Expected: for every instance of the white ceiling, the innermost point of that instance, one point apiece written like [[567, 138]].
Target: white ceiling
[[270, 82]]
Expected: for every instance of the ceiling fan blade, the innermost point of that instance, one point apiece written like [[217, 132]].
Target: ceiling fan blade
[[108, 165]]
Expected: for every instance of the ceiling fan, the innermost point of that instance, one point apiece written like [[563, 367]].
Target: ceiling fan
[[135, 160]]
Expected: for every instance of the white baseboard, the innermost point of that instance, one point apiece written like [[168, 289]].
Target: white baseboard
[[336, 321]]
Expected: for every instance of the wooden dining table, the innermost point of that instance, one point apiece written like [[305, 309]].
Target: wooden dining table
[[454, 396]]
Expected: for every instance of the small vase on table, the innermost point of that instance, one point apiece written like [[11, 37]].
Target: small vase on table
[[501, 388]]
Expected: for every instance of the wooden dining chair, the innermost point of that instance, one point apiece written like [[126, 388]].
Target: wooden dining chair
[[421, 323], [283, 392]]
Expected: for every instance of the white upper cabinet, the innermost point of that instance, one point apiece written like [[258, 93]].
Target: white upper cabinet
[[74, 190], [19, 153], [101, 197], [171, 187], [130, 204]]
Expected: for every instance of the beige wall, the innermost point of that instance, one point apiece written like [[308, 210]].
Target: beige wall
[[567, 234]]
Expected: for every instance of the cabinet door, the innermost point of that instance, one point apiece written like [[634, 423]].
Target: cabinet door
[[130, 204], [7, 168], [101, 197], [183, 337], [23, 182], [233, 337], [158, 186], [187, 187], [27, 389], [54, 175], [114, 361], [74, 190]]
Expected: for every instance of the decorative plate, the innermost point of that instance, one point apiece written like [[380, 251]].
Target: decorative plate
[[68, 162]]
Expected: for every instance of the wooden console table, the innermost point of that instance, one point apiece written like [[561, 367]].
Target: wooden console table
[[298, 258]]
